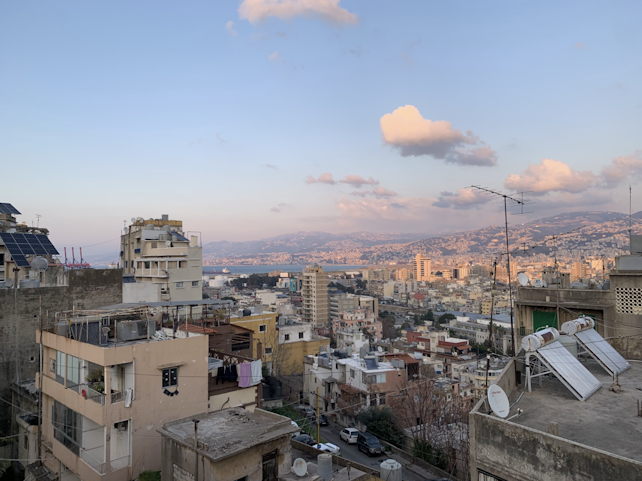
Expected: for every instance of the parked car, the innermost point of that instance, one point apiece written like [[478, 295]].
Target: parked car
[[305, 439], [298, 433], [323, 420], [328, 447], [349, 435], [369, 444], [306, 411]]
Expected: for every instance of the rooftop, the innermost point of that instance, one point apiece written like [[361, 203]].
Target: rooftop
[[229, 432], [607, 420]]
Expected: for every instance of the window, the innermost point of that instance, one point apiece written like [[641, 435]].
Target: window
[[146, 264], [382, 399], [287, 337], [60, 367], [179, 285], [73, 370], [263, 328], [352, 373], [67, 425], [170, 377], [268, 350], [125, 263], [373, 401], [154, 245], [194, 283], [300, 335]]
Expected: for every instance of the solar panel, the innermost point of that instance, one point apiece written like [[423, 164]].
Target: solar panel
[[21, 245], [569, 370], [371, 364], [611, 360], [8, 209]]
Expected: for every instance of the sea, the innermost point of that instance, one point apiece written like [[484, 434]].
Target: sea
[[283, 268]]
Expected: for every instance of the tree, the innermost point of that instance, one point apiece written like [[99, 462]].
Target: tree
[[228, 298], [361, 284], [382, 422], [446, 317], [367, 334]]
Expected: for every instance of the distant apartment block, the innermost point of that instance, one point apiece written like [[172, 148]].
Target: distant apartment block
[[421, 268], [315, 296]]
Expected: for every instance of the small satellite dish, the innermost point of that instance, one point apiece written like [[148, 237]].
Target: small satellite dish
[[133, 220], [39, 264], [300, 467], [498, 401], [523, 279], [379, 348], [8, 283]]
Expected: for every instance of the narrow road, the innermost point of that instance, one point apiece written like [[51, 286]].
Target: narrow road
[[351, 452]]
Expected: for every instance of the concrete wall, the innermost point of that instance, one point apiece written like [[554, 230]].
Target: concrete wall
[[519, 453], [141, 292], [19, 310], [629, 347]]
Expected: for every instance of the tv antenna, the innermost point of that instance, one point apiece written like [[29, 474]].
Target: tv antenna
[[38, 216], [520, 202]]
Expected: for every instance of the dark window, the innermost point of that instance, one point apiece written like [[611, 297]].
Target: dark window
[[300, 335], [67, 425], [287, 337], [270, 467], [170, 377]]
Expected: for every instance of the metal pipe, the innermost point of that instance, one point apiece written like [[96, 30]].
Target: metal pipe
[[195, 449]]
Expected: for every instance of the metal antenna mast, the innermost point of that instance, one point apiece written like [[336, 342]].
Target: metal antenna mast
[[520, 202]]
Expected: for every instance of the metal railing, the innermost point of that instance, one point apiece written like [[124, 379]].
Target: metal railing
[[92, 462], [119, 463], [93, 395], [118, 397]]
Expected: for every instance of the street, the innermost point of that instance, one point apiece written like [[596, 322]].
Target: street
[[350, 451]]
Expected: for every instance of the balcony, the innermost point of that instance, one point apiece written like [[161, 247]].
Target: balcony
[[156, 272]]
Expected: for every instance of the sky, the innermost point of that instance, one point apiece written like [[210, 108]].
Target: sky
[[254, 118]]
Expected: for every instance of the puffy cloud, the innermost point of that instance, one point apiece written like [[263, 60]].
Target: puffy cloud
[[550, 175], [378, 192], [465, 198], [275, 57], [621, 168], [357, 181], [257, 11], [229, 26], [354, 180], [413, 135], [322, 179]]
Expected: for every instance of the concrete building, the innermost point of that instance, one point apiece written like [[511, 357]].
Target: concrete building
[[315, 296], [422, 268], [402, 274], [377, 274], [165, 264], [232, 444], [556, 437], [358, 319]]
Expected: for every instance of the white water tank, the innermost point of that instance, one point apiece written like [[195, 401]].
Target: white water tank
[[324, 464], [569, 343], [390, 470], [577, 325], [534, 341]]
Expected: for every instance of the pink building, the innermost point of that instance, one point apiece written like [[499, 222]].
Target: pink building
[[358, 319]]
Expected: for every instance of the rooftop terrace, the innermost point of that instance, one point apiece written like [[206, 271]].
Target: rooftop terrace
[[607, 420]]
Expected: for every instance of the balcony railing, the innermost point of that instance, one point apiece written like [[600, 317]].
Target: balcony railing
[[92, 462], [93, 395], [152, 272], [119, 463], [118, 397]]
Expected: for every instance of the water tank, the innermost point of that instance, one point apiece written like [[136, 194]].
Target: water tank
[[539, 339], [149, 227], [390, 470], [349, 351], [324, 463], [247, 312], [577, 325], [569, 343], [29, 283]]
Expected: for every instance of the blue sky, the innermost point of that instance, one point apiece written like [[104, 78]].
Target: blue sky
[[112, 110]]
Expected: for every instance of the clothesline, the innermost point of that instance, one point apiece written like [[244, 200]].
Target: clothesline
[[247, 374]]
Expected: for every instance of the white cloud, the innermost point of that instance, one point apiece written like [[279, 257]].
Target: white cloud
[[622, 168], [413, 135], [257, 11], [229, 26], [275, 57], [550, 176], [322, 179], [378, 192], [354, 180], [465, 198]]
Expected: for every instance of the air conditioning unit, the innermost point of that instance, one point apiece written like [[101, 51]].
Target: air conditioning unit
[[134, 330]]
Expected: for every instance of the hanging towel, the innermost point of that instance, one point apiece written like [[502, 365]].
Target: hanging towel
[[233, 373], [220, 375], [257, 372], [245, 374], [128, 397]]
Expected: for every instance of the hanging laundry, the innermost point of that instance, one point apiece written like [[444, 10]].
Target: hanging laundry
[[220, 375], [233, 373], [128, 397], [228, 373], [257, 372], [245, 374]]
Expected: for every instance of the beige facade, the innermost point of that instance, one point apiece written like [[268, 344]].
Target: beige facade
[[157, 251], [102, 405], [315, 296], [422, 267]]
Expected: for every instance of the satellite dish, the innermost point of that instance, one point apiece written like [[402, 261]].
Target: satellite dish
[[39, 264], [379, 348], [140, 219], [300, 467], [133, 220], [8, 282], [498, 401], [523, 279]]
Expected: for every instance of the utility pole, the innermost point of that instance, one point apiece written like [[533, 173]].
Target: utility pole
[[318, 419], [195, 449], [520, 202]]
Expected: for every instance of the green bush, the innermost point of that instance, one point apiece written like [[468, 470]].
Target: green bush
[[382, 423], [149, 476], [435, 456]]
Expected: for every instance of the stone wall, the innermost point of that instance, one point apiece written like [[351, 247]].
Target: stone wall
[[518, 453], [19, 319]]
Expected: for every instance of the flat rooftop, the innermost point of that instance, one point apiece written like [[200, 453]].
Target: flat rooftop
[[229, 432], [607, 420]]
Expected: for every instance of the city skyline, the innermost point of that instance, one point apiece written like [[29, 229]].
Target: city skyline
[[251, 119]]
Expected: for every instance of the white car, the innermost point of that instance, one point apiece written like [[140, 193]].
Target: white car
[[328, 447], [349, 435]]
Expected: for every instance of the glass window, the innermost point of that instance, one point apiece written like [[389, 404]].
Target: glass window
[[179, 285], [170, 377], [73, 370], [263, 328], [60, 367], [67, 425], [268, 350], [146, 264], [194, 283], [352, 373], [287, 337], [300, 335]]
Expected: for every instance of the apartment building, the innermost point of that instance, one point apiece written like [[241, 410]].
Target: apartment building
[[421, 267], [166, 265], [358, 319], [315, 296]]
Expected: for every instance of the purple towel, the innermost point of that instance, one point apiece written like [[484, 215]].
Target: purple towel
[[245, 374]]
